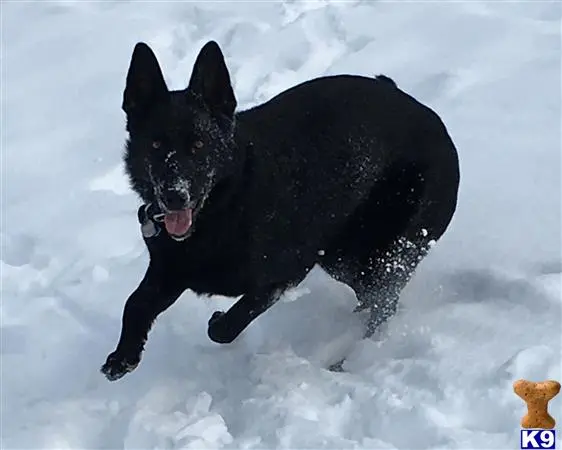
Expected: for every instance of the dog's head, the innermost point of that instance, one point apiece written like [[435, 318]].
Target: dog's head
[[180, 142]]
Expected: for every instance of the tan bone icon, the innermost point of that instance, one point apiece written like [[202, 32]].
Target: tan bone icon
[[537, 396]]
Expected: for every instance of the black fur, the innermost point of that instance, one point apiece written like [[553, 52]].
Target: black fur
[[347, 172]]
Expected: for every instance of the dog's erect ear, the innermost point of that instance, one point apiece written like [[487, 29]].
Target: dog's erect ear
[[210, 80], [145, 82]]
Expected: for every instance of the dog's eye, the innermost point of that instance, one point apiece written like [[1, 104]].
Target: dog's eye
[[197, 145], [156, 144]]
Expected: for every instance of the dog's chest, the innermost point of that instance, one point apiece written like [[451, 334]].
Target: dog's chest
[[215, 267]]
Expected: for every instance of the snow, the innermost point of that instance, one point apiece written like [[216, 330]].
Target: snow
[[483, 310]]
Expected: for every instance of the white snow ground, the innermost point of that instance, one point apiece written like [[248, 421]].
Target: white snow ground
[[483, 310]]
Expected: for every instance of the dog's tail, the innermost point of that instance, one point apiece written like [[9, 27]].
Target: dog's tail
[[386, 80]]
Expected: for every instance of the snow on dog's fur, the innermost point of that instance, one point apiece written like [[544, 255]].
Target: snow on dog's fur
[[347, 172]]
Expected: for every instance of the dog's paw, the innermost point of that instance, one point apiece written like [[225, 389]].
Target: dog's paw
[[118, 365], [218, 330], [216, 316]]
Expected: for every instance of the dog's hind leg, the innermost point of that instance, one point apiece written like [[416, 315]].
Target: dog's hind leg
[[378, 281], [385, 276], [381, 245]]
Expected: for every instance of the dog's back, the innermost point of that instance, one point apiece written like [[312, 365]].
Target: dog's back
[[320, 148]]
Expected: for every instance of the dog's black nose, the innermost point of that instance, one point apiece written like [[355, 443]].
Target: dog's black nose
[[173, 200]]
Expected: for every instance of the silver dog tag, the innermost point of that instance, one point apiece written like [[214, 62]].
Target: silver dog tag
[[148, 229]]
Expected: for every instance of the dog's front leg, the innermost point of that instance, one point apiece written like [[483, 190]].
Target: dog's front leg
[[224, 327], [156, 292]]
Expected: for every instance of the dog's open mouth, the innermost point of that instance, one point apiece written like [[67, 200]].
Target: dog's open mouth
[[178, 223]]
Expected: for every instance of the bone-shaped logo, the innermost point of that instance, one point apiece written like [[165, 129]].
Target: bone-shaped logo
[[537, 396]]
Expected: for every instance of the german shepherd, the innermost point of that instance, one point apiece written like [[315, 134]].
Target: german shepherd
[[347, 172]]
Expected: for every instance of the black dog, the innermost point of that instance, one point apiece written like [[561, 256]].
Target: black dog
[[347, 172]]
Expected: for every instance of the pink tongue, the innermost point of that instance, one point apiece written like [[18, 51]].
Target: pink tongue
[[178, 222]]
